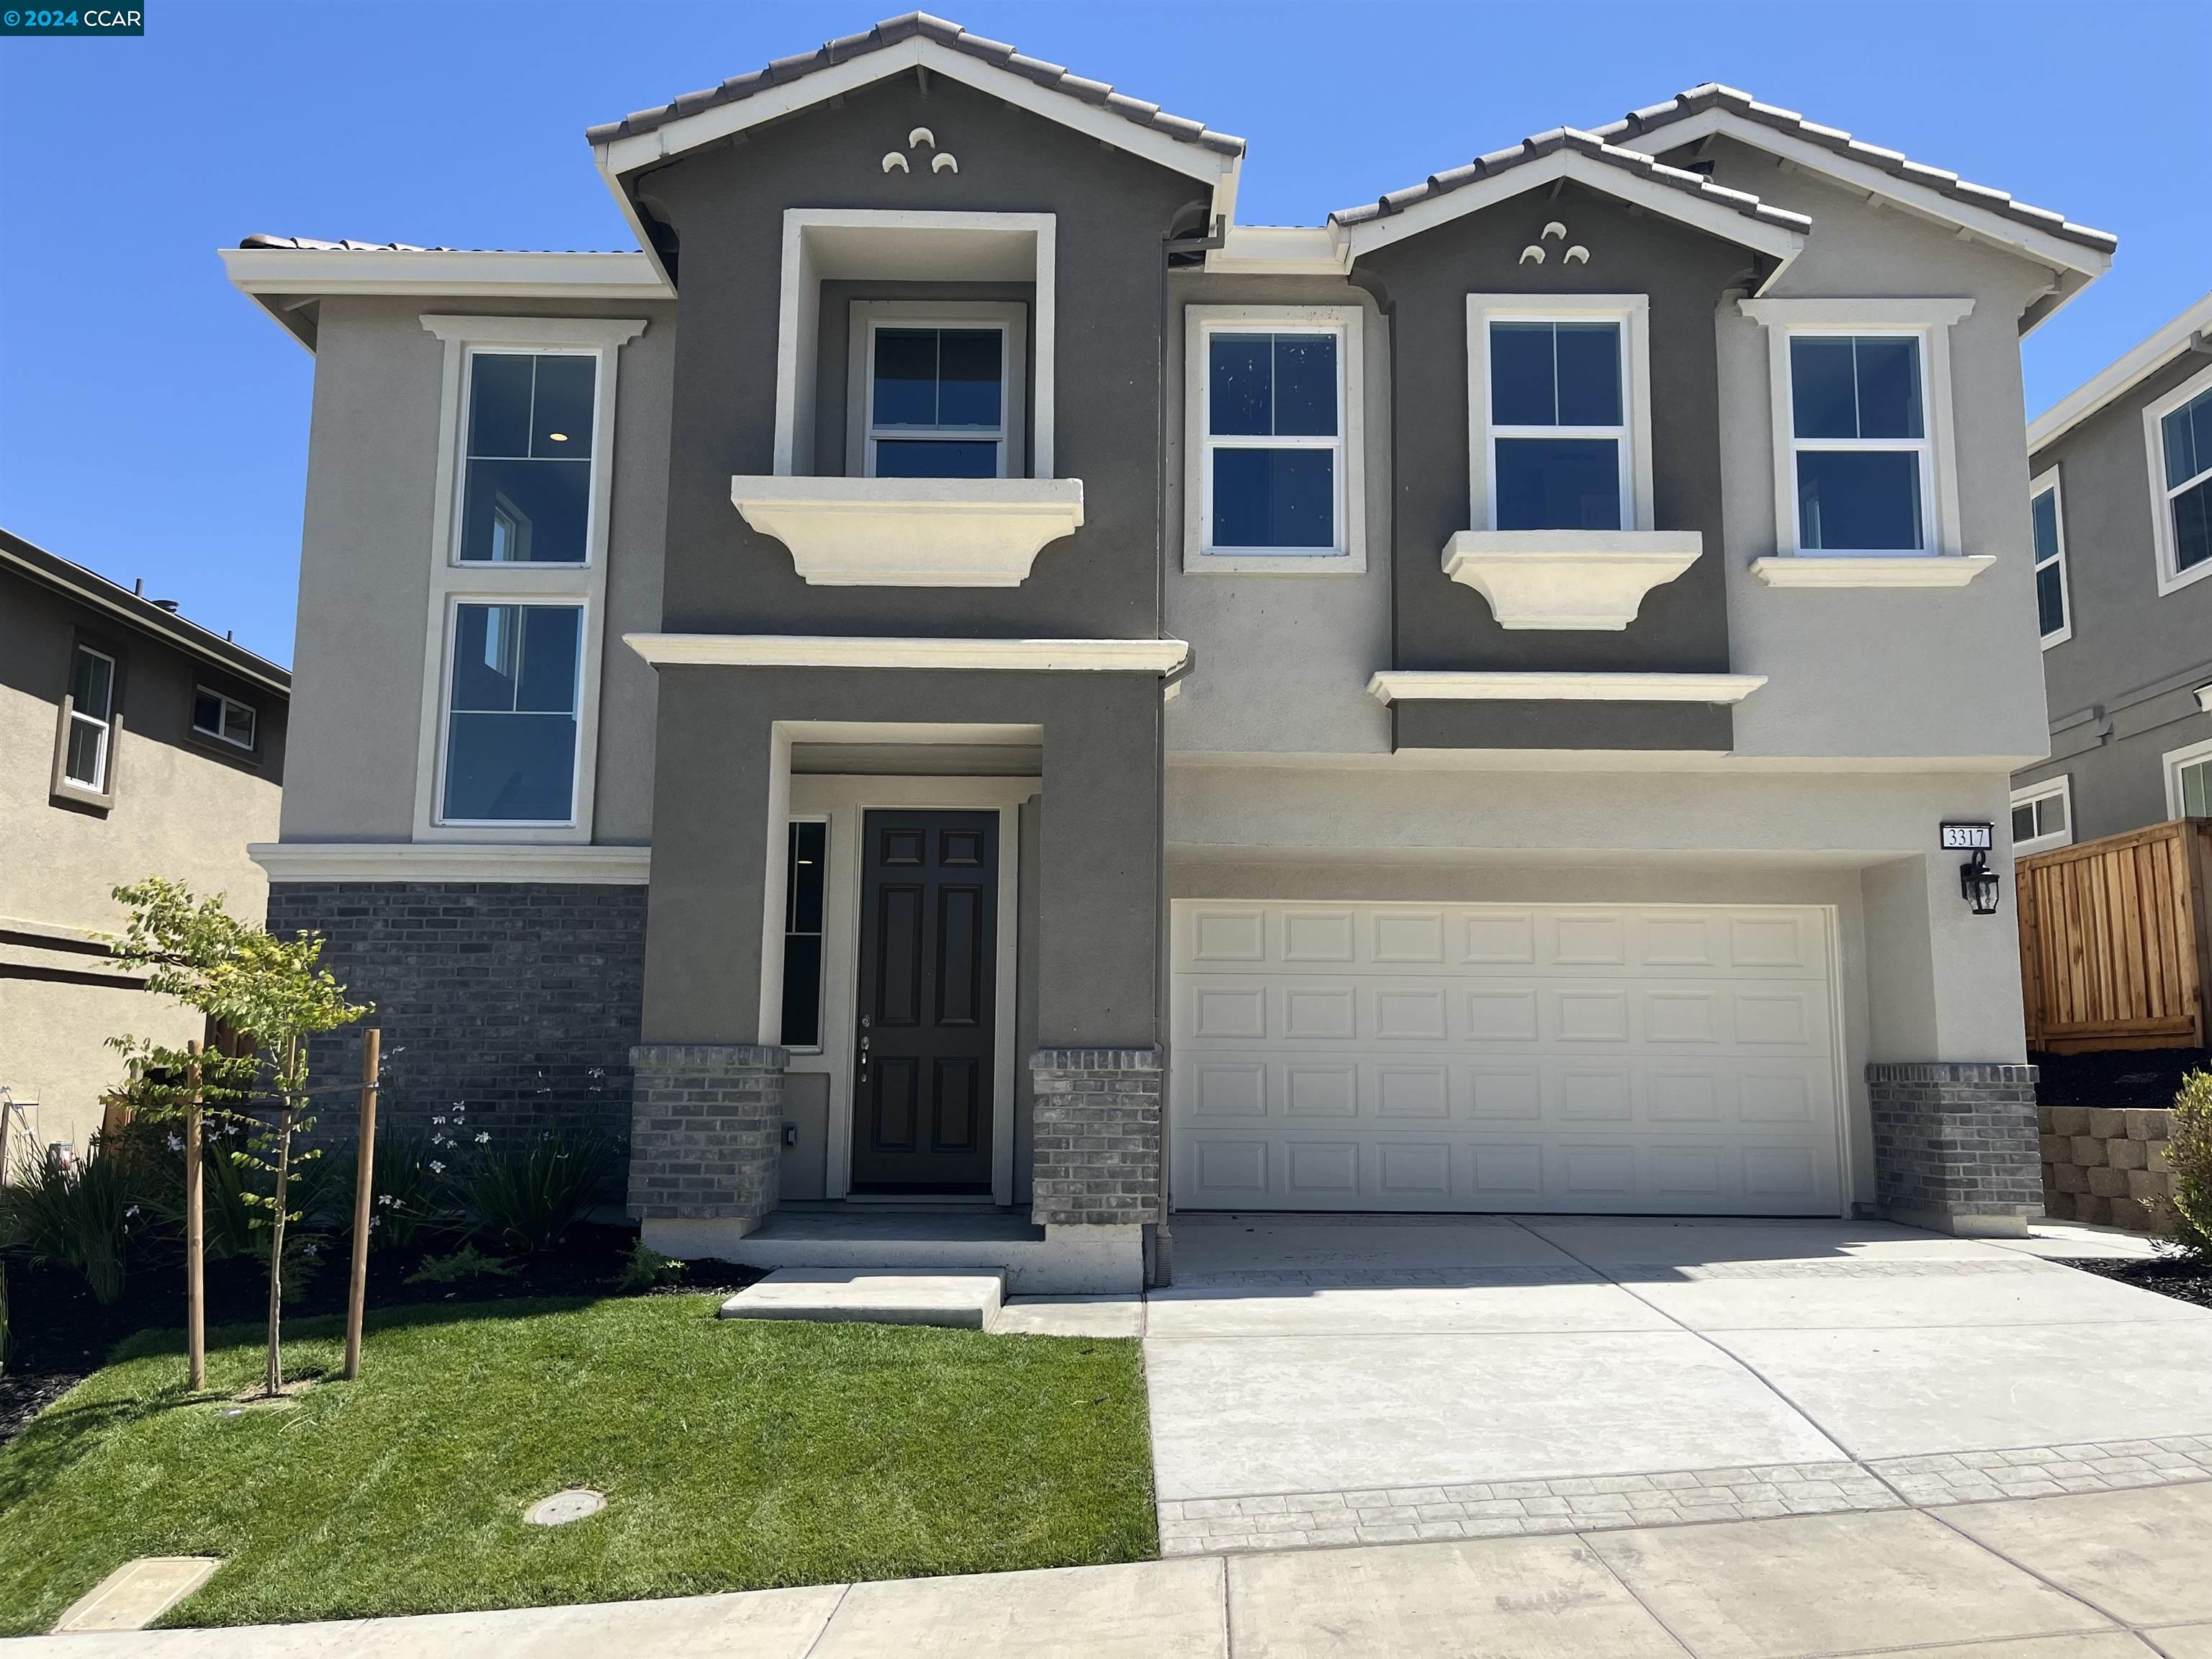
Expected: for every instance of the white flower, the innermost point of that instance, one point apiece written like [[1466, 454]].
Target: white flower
[[386, 1199], [439, 1121], [436, 1168], [373, 1222], [132, 1210], [176, 1144], [482, 1136]]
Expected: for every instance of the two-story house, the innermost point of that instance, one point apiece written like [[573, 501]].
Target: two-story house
[[963, 675], [2121, 507], [134, 743]]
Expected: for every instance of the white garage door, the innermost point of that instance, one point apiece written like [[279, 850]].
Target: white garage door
[[1642, 1061]]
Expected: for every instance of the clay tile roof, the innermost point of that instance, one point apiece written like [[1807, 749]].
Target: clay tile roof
[[310, 244], [1713, 95], [890, 32]]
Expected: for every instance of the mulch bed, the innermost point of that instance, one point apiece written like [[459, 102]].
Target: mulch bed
[[2115, 1077], [2175, 1276], [59, 1335]]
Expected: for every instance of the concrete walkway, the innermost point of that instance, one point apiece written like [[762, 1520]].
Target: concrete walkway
[[2109, 1576]]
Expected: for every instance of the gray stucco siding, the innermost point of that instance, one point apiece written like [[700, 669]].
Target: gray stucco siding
[[1480, 724]]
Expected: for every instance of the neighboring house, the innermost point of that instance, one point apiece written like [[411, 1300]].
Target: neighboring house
[[963, 672], [2120, 482], [134, 743]]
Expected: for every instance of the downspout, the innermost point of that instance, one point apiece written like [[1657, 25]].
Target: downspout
[[1159, 1255]]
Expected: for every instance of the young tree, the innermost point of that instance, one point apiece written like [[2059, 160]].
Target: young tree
[[276, 995]]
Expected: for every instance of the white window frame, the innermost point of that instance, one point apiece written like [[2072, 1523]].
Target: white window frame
[[2172, 764], [1347, 555], [822, 989], [2161, 499], [1931, 320], [2048, 480], [454, 583], [101, 791], [226, 703], [1008, 318], [2061, 788], [1633, 313]]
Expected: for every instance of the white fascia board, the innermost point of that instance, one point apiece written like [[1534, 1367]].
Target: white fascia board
[[473, 862], [316, 272], [1514, 686], [2093, 394], [819, 650], [2039, 246], [1279, 250], [1778, 240]]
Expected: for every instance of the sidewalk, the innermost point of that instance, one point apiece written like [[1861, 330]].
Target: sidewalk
[[2082, 1572]]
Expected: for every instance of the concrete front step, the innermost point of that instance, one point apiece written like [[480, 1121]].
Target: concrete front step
[[964, 1301]]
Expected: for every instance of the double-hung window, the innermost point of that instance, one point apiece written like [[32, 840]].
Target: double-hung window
[[226, 719], [1559, 425], [2047, 527], [938, 401], [1274, 471], [1860, 460], [526, 497], [2180, 429], [2042, 816], [2189, 781], [87, 746], [512, 720]]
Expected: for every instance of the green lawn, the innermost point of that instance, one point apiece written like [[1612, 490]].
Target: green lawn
[[735, 1455]]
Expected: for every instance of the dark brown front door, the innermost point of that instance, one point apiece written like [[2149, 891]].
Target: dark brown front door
[[929, 932]]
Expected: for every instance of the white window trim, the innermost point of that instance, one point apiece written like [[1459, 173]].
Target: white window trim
[[101, 791], [1633, 313], [1931, 320], [1349, 555], [2061, 786], [2161, 499], [453, 583], [1009, 316], [2172, 762], [228, 703], [2050, 481]]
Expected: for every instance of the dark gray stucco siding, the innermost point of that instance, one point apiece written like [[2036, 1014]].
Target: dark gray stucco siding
[[1099, 847], [1501, 725], [1112, 211]]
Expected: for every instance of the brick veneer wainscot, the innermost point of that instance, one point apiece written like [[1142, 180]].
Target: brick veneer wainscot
[[1955, 1138], [707, 1131], [1097, 1140], [508, 995]]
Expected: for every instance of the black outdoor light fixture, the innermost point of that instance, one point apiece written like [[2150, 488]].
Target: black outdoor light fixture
[[1978, 882]]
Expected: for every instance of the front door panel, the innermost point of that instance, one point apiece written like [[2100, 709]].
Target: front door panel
[[922, 1093]]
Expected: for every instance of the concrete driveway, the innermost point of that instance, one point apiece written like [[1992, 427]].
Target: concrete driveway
[[1326, 1380]]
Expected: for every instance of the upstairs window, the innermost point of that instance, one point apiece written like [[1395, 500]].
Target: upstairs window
[[226, 719], [938, 401], [2185, 479], [526, 496], [2046, 523], [511, 725], [87, 746], [1860, 457], [2042, 816], [2189, 781], [1273, 462], [1559, 428]]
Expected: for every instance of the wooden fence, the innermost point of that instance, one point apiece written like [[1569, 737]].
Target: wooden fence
[[2116, 940]]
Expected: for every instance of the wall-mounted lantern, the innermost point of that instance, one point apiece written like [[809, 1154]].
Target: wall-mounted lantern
[[1978, 882]]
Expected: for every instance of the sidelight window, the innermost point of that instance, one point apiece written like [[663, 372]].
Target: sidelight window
[[805, 879]]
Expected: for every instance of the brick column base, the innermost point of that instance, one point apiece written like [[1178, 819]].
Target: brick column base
[[1098, 1144], [707, 1131], [1955, 1146]]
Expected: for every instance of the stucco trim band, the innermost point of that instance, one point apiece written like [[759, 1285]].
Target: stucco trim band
[[828, 651], [1510, 686], [1913, 570], [482, 861]]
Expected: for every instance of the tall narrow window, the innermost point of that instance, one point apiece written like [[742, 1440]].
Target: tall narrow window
[[92, 719], [2185, 440], [1558, 429], [2046, 523], [802, 935], [527, 498], [1274, 442], [1859, 429], [511, 715], [937, 403]]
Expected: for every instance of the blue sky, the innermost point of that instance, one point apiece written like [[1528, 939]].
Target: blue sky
[[154, 423]]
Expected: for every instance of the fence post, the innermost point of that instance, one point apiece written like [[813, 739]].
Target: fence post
[[364, 1186], [195, 1231]]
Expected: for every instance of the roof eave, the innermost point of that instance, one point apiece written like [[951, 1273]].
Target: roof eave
[[2121, 377]]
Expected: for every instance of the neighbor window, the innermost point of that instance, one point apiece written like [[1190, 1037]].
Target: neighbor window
[[802, 935], [2047, 525], [215, 716], [1273, 441], [526, 495], [2042, 816], [511, 715], [2189, 781], [1859, 437], [937, 403], [2185, 476], [92, 720], [1558, 427]]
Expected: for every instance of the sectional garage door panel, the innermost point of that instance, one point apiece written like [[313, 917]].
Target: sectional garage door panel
[[1479, 1057]]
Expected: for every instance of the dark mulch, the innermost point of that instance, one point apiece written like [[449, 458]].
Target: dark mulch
[[2115, 1077], [2183, 1279], [58, 1334]]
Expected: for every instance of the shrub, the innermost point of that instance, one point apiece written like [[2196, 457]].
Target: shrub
[[74, 1215], [467, 1262], [2190, 1151], [3, 1319], [648, 1270], [530, 1194]]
